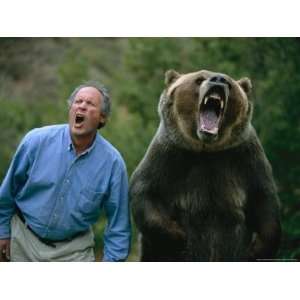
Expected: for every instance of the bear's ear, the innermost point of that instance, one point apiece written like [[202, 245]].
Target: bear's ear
[[171, 76], [246, 85]]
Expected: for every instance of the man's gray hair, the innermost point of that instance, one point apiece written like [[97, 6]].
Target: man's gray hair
[[106, 103]]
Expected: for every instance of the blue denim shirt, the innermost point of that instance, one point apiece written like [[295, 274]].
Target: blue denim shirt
[[61, 194]]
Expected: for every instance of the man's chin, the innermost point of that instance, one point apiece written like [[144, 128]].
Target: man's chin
[[77, 130], [81, 132]]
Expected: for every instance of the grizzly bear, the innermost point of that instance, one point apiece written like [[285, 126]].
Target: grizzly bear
[[204, 190]]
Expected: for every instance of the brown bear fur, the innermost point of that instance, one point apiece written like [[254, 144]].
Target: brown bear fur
[[204, 190]]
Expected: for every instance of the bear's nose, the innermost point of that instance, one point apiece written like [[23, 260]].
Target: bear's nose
[[218, 79]]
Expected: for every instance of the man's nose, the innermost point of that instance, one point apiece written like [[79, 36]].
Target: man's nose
[[82, 105]]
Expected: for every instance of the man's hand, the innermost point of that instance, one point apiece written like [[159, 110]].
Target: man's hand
[[4, 250]]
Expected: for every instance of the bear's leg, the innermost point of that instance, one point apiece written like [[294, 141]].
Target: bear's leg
[[161, 249]]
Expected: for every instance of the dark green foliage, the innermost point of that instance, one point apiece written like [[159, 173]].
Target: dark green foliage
[[37, 76]]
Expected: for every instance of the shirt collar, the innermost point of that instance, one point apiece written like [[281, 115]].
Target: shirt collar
[[70, 145]]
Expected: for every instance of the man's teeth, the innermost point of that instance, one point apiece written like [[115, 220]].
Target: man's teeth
[[79, 119]]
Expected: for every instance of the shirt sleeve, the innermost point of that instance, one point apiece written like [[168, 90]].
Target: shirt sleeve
[[13, 182], [117, 234]]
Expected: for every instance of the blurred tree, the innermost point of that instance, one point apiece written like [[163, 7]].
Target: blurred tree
[[72, 72]]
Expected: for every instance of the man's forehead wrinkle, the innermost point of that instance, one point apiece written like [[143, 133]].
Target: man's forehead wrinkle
[[88, 93]]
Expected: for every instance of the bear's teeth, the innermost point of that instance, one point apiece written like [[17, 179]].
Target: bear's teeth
[[222, 104], [215, 96]]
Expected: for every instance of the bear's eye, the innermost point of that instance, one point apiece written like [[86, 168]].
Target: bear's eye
[[199, 80]]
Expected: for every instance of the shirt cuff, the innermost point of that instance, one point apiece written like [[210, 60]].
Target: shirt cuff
[[107, 258], [4, 234]]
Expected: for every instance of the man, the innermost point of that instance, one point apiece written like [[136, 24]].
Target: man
[[58, 182]]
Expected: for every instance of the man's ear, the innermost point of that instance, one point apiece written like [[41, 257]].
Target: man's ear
[[103, 120], [246, 85], [171, 76]]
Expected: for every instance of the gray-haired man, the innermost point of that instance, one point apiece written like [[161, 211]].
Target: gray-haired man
[[58, 182]]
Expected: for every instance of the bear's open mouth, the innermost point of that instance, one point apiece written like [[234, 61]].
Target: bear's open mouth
[[211, 111]]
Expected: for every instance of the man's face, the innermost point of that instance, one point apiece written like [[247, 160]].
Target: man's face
[[85, 112]]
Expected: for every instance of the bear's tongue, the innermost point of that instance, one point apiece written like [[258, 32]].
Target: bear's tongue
[[209, 120]]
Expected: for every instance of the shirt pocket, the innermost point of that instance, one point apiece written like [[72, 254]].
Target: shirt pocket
[[90, 204]]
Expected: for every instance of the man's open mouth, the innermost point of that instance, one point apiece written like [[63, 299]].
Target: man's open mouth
[[212, 110], [79, 119]]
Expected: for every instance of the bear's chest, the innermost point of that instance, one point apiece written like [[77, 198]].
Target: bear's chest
[[208, 187]]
